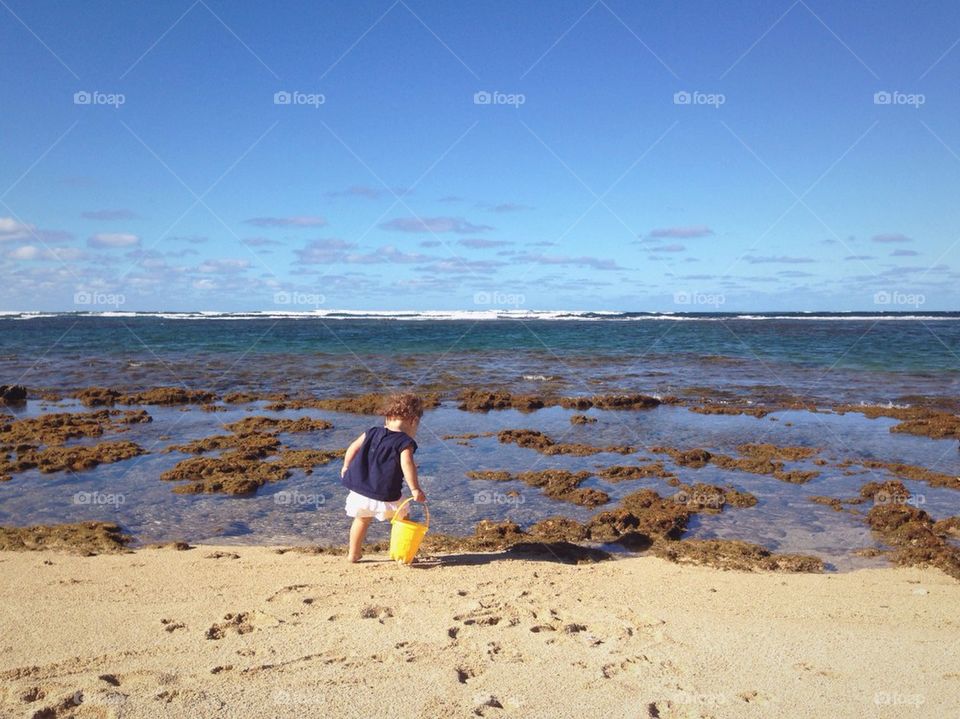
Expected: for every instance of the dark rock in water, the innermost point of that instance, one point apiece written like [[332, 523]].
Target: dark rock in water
[[582, 419], [13, 394]]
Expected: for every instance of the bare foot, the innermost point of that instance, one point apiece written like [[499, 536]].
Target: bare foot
[[353, 558]]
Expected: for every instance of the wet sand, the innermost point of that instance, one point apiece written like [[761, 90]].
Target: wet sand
[[249, 632]]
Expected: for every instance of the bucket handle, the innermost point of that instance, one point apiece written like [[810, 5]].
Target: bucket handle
[[410, 499]]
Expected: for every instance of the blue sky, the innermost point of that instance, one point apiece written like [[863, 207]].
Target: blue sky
[[626, 156]]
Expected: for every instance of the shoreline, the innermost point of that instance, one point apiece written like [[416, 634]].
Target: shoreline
[[249, 631]]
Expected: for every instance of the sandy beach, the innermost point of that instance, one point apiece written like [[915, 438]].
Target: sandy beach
[[250, 632]]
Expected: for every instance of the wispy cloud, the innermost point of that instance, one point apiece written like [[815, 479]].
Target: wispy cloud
[[260, 242], [778, 260], [507, 207], [223, 266], [109, 215], [324, 250], [688, 232], [891, 238], [369, 193], [480, 243], [296, 221], [386, 254], [668, 248], [434, 225], [596, 263], [105, 240], [900, 252]]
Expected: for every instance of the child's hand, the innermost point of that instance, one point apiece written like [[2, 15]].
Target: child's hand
[[343, 471], [419, 496]]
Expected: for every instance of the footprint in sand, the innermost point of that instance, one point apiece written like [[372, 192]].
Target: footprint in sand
[[170, 625], [373, 611], [241, 623], [286, 593]]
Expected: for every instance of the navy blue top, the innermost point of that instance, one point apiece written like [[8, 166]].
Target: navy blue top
[[375, 470]]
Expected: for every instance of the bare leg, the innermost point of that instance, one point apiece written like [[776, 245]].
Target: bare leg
[[358, 531]]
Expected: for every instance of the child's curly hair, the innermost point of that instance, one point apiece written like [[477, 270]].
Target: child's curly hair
[[405, 405]]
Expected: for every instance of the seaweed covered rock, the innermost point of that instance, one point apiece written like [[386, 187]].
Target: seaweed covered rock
[[919, 474], [919, 421], [637, 471], [229, 473], [168, 396], [79, 458], [86, 538], [724, 409], [97, 396], [557, 529], [915, 537], [370, 404], [534, 439], [734, 554], [565, 486], [490, 475], [249, 425]]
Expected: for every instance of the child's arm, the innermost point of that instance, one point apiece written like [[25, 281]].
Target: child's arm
[[409, 468], [351, 452]]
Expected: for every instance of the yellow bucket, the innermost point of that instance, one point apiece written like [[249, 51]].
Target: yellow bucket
[[405, 536]]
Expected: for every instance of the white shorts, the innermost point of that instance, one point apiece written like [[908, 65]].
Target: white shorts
[[360, 506]]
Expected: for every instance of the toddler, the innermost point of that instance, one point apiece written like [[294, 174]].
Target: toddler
[[376, 465]]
